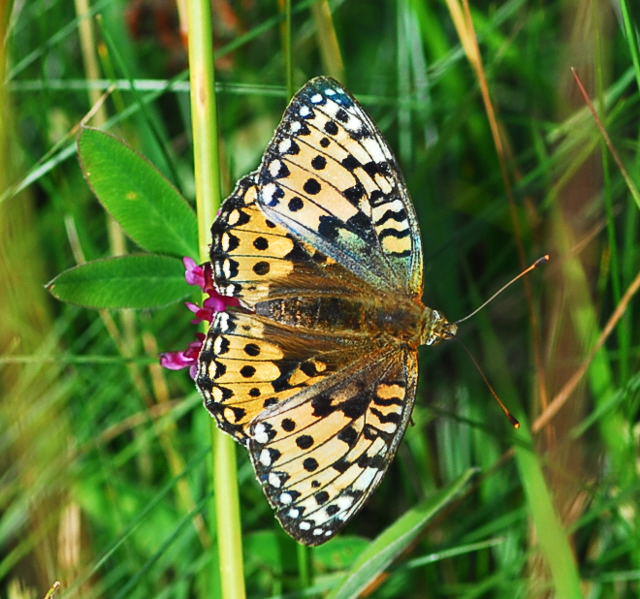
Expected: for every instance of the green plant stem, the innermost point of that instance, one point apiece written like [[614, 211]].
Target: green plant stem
[[551, 534], [303, 554], [304, 565], [632, 40], [208, 194], [288, 53], [328, 40], [204, 120]]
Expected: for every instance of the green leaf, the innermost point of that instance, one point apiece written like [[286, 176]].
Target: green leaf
[[136, 281], [395, 539], [150, 210], [340, 553]]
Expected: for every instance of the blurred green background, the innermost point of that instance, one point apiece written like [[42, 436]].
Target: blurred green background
[[105, 457]]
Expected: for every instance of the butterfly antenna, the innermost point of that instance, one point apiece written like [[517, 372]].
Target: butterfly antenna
[[512, 419], [539, 262]]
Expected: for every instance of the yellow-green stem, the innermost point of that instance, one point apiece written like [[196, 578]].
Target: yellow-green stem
[[288, 51], [302, 552], [208, 194]]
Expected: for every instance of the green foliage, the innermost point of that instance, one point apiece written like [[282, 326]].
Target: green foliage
[[136, 281], [145, 204], [373, 561], [106, 458]]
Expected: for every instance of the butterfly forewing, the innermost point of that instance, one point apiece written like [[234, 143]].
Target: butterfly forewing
[[329, 177], [256, 259]]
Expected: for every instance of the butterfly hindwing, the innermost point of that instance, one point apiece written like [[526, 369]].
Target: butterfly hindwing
[[329, 177], [320, 454], [249, 364]]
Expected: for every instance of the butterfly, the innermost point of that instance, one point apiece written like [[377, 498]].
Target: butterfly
[[315, 372]]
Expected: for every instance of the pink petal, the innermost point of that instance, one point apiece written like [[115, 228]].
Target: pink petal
[[193, 307], [202, 276], [175, 360], [194, 274], [216, 303]]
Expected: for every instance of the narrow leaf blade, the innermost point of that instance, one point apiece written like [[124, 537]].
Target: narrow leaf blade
[[395, 539]]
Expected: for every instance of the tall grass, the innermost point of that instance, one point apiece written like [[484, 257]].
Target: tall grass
[[106, 480]]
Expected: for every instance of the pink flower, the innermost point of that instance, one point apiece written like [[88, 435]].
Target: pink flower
[[200, 276]]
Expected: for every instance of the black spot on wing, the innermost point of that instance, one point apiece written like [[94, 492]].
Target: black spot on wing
[[354, 194], [352, 408], [394, 233], [393, 417], [328, 226], [350, 162], [348, 435], [398, 216], [376, 168], [331, 128]]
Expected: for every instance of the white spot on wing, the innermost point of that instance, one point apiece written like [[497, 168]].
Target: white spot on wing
[[228, 291], [260, 434], [364, 481], [274, 168], [344, 502], [222, 321], [353, 124], [233, 217], [374, 149], [265, 457], [274, 480], [304, 111], [284, 145], [217, 344], [268, 190], [305, 525], [331, 108], [316, 98], [285, 498], [217, 395]]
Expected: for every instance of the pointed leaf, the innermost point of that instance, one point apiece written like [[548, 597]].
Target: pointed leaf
[[395, 539], [136, 281], [150, 210]]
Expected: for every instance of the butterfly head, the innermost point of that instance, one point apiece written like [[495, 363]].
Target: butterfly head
[[435, 327]]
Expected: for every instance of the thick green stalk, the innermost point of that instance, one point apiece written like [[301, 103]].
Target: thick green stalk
[[302, 553], [288, 52], [632, 39], [208, 195]]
